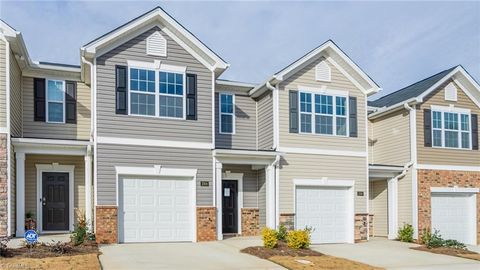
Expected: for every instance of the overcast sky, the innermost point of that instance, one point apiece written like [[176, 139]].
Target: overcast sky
[[395, 43]]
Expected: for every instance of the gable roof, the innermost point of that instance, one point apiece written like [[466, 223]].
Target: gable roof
[[334, 55], [156, 17]]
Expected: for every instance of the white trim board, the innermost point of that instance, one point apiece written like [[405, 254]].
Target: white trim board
[[448, 167], [328, 152], [152, 142], [239, 178], [453, 190]]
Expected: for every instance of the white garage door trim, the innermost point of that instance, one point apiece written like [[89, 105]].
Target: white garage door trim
[[473, 202], [161, 172], [324, 182]]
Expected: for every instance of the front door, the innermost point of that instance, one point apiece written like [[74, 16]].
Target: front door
[[55, 201], [229, 205]]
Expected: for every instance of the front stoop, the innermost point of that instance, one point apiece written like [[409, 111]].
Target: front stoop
[[206, 224], [106, 225], [250, 222]]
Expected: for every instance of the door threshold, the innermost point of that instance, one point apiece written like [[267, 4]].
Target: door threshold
[[230, 235]]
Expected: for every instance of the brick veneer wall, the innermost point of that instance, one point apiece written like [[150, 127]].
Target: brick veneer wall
[[3, 185], [438, 178], [206, 224], [361, 227], [106, 231], [250, 221], [288, 220]]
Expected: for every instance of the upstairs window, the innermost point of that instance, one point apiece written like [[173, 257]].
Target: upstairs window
[[227, 113], [171, 94], [451, 130], [55, 101], [142, 91]]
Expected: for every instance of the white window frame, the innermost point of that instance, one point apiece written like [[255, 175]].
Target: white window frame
[[459, 112], [220, 113], [47, 101], [157, 68], [334, 94], [311, 113]]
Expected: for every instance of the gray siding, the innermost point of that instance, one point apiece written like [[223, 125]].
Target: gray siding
[[15, 98], [245, 124], [3, 84], [111, 124], [109, 156], [265, 121]]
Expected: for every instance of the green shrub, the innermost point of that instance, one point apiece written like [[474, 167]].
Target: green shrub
[[454, 244], [81, 233], [299, 238], [269, 237], [282, 233], [426, 236], [405, 234], [435, 240]]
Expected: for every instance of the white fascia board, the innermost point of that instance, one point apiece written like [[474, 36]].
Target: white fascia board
[[386, 110], [453, 190], [448, 167], [23, 141], [229, 152], [156, 170], [323, 90], [233, 83], [154, 143], [449, 109], [385, 168], [325, 182], [475, 99]]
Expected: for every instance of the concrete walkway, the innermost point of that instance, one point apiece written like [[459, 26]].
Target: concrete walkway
[[395, 255], [206, 255]]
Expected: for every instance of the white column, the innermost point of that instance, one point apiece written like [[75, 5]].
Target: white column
[[20, 194], [392, 207], [88, 189], [218, 197], [277, 195], [270, 196]]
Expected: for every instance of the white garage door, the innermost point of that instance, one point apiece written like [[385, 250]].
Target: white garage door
[[156, 210], [327, 211], [453, 214]]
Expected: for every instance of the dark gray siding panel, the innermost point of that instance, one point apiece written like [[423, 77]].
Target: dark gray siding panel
[[265, 121], [109, 156], [245, 125], [126, 126]]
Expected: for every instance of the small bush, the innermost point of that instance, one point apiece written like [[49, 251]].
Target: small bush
[[454, 244], [81, 233], [298, 238], [60, 247], [269, 237], [426, 236], [282, 233], [405, 234], [435, 240]]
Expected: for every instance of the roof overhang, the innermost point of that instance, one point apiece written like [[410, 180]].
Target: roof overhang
[[248, 157], [51, 147], [382, 172]]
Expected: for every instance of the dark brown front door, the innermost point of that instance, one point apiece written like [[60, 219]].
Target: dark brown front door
[[229, 205], [55, 201]]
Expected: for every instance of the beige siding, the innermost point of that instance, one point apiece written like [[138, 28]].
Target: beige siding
[[3, 84], [439, 156], [15, 98], [390, 139], [379, 207], [405, 199], [31, 179], [262, 197], [36, 129], [306, 77], [245, 124], [302, 166], [265, 121]]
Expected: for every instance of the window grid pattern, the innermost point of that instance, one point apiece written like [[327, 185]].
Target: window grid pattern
[[451, 130], [227, 113], [55, 101]]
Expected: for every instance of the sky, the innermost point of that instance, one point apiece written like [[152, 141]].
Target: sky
[[395, 43]]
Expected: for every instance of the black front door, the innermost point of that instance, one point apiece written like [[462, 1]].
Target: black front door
[[229, 205], [55, 201]]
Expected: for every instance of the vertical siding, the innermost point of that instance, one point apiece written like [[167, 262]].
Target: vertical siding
[[265, 121], [111, 124], [15, 97], [405, 199], [109, 156], [36, 129], [430, 155], [379, 207], [31, 179], [245, 124], [3, 84]]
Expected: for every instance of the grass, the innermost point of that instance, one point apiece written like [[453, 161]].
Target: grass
[[85, 261]]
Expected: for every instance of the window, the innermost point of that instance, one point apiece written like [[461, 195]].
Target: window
[[330, 114], [55, 101], [227, 113], [154, 92], [451, 130]]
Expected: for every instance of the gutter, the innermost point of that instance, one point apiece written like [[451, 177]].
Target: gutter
[[385, 110]]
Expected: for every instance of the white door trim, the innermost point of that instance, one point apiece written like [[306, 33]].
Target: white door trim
[[239, 178], [54, 167]]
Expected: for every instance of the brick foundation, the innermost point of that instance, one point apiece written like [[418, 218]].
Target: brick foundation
[[106, 225], [437, 178], [250, 221], [206, 224], [3, 185], [288, 220], [361, 227]]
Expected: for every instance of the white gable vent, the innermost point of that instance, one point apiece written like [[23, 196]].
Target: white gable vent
[[451, 92], [156, 44], [323, 72]]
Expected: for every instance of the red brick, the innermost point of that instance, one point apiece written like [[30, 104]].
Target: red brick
[[250, 221], [206, 224], [106, 225]]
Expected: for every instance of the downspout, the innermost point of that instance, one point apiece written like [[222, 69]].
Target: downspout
[[275, 146], [413, 161], [92, 97]]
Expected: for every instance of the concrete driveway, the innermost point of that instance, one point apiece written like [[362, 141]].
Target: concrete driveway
[[207, 255], [395, 255]]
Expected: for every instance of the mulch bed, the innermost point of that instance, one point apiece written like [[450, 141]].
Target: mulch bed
[[462, 253], [45, 250], [281, 250]]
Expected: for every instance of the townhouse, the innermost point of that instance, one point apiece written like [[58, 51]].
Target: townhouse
[[152, 145]]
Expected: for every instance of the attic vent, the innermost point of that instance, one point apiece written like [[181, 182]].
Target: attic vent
[[451, 92], [156, 44], [323, 72]]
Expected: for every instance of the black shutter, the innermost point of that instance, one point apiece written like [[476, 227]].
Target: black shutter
[[352, 116], [427, 127], [39, 99], [293, 96], [121, 96], [71, 102], [474, 131], [191, 97]]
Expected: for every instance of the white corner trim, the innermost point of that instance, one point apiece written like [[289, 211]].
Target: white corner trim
[[328, 152], [323, 90], [153, 143], [453, 190], [450, 108], [468, 93], [239, 178], [325, 182], [156, 170], [448, 167]]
